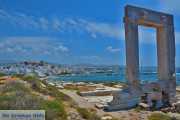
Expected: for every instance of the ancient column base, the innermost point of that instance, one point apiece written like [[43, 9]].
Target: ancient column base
[[123, 100]]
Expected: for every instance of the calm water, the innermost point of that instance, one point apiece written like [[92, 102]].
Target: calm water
[[102, 77]]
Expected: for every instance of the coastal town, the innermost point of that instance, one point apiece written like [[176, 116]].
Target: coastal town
[[44, 69]]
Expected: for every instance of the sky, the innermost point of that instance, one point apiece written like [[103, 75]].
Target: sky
[[77, 31]]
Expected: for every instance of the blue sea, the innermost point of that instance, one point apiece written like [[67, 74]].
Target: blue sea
[[145, 76]]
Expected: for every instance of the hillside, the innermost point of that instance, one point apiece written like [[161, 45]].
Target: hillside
[[30, 93]]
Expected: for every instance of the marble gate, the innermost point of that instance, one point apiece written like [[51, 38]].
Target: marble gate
[[135, 16]]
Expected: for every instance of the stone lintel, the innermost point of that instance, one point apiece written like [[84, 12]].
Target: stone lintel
[[147, 17], [146, 23]]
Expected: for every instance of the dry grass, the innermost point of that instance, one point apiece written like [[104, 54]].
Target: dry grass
[[88, 114], [159, 116], [18, 95]]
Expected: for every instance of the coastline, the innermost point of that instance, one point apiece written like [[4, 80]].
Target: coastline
[[102, 78]]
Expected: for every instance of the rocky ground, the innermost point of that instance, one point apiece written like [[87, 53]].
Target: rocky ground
[[28, 92], [133, 114]]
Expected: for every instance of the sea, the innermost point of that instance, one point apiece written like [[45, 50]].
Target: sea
[[145, 76]]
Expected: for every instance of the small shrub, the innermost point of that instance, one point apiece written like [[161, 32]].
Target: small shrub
[[83, 112], [2, 74], [159, 116], [17, 96], [139, 109], [78, 92], [54, 92], [14, 86], [18, 75], [156, 89], [19, 100], [88, 114], [54, 109], [33, 81], [73, 104]]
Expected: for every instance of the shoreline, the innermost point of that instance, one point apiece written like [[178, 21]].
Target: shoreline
[[94, 82]]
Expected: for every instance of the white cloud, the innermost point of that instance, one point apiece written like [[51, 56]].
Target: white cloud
[[44, 23], [93, 35], [171, 6], [93, 28], [19, 19], [100, 28], [32, 46], [177, 37], [63, 48], [56, 24], [78, 26], [90, 58], [9, 50], [104, 29], [22, 20], [111, 49], [71, 21]]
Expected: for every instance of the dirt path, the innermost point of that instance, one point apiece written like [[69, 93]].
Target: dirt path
[[78, 99], [82, 102]]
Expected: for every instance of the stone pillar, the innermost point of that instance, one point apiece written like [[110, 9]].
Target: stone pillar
[[172, 68], [132, 55], [166, 59]]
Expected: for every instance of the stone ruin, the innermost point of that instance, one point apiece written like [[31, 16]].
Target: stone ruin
[[162, 92]]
